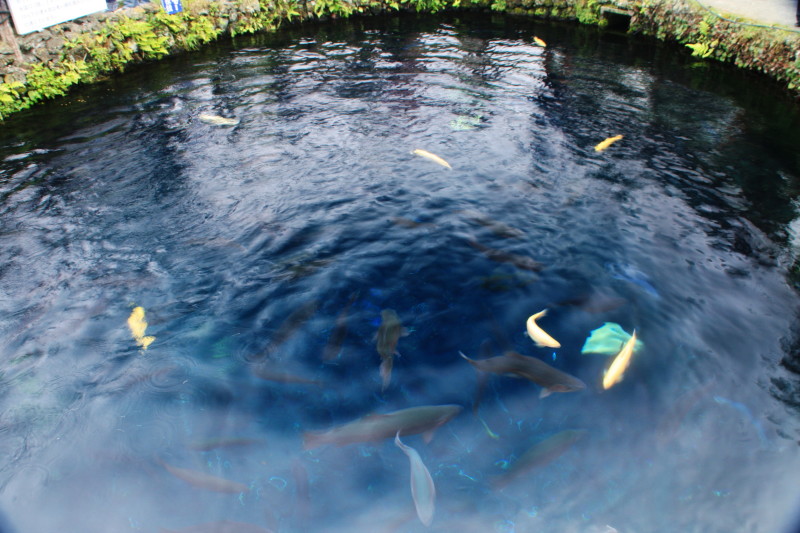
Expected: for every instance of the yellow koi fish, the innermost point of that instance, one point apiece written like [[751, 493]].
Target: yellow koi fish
[[538, 335], [539, 42], [138, 325], [620, 363], [608, 142], [433, 157]]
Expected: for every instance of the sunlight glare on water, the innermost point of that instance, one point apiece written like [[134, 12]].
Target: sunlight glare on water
[[210, 264]]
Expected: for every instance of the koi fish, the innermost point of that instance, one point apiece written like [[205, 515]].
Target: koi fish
[[620, 363], [389, 333], [606, 143], [519, 261], [205, 481], [498, 228], [541, 454], [138, 325], [268, 373], [537, 334], [433, 157], [371, 428], [296, 319], [423, 492], [539, 41], [334, 346], [230, 442], [217, 120], [535, 370], [225, 526]]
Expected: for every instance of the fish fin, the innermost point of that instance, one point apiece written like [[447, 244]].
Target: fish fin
[[545, 393], [428, 435], [512, 353], [464, 356]]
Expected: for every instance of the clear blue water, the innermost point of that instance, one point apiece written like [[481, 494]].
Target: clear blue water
[[685, 230]]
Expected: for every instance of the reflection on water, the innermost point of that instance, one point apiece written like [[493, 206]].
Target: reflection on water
[[214, 258]]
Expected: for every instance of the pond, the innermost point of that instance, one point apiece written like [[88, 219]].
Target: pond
[[229, 279]]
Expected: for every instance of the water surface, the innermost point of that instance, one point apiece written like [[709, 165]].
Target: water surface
[[257, 241]]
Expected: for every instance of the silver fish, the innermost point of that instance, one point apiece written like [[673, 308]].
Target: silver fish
[[217, 120], [423, 491]]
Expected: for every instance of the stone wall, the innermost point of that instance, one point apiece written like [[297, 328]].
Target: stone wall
[[87, 49]]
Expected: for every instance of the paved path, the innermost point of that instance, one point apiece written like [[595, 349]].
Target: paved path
[[781, 12]]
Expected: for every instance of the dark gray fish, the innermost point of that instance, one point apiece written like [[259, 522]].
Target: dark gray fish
[[220, 527], [389, 333], [268, 372], [594, 302], [205, 481], [535, 370], [411, 224], [519, 261], [297, 318], [540, 454], [229, 442], [424, 419], [334, 346], [500, 229]]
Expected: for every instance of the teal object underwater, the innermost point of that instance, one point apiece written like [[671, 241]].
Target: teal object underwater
[[608, 340]]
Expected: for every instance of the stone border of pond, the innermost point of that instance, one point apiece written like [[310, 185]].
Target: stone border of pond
[[92, 48]]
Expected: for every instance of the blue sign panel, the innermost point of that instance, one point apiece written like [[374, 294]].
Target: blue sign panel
[[173, 6]]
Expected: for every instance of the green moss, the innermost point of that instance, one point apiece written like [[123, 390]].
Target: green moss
[[154, 34]]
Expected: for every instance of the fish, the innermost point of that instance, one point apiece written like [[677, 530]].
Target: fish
[[423, 491], [412, 224], [138, 325], [293, 322], [334, 346], [519, 261], [217, 120], [230, 442], [433, 157], [606, 143], [205, 481], [620, 363], [500, 229], [540, 454], [530, 368], [537, 334], [224, 526], [372, 428], [539, 41], [595, 302], [389, 333], [269, 373]]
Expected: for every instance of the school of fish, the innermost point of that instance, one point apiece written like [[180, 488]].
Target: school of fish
[[426, 419]]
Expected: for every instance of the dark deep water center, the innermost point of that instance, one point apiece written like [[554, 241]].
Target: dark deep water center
[[231, 278]]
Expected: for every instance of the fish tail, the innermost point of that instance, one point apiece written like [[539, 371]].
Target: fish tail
[[464, 356], [312, 439], [386, 373]]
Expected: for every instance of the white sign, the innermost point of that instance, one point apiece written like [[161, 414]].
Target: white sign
[[34, 15]]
